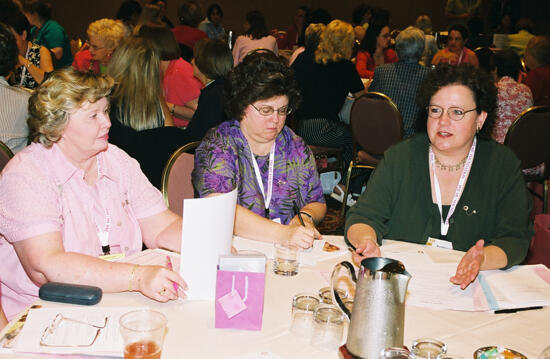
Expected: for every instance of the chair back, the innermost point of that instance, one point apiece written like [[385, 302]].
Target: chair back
[[5, 155], [176, 177], [528, 136], [375, 122]]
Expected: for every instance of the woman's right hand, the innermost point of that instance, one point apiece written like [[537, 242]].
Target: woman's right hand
[[300, 236], [367, 248], [157, 282]]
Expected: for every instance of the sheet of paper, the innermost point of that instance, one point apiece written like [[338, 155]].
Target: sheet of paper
[[519, 286], [207, 233], [258, 355], [430, 287], [71, 333]]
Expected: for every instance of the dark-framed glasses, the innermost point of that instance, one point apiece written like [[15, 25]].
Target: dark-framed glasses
[[69, 332], [454, 113], [268, 110]]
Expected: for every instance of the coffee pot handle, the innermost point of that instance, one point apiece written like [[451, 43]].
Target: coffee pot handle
[[333, 285]]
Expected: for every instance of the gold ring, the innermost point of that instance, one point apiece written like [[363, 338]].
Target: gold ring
[[162, 292]]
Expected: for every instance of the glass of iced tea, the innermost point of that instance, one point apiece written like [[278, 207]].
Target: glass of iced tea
[[142, 333]]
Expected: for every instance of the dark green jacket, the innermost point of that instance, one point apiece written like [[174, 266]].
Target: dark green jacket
[[494, 206]]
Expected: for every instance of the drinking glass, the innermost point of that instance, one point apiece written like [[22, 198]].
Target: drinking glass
[[326, 296], [328, 327], [285, 260], [303, 307], [143, 333], [426, 348]]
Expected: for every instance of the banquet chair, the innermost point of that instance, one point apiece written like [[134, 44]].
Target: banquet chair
[[376, 124], [176, 178], [528, 138], [5, 155]]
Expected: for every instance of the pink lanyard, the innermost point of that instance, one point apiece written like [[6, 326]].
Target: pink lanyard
[[459, 188]]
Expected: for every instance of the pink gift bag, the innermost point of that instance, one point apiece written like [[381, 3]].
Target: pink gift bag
[[239, 300]]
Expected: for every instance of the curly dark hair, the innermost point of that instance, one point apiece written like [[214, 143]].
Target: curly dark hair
[[8, 51], [478, 81], [260, 76]]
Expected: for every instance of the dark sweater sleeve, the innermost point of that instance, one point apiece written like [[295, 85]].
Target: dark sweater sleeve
[[513, 228]]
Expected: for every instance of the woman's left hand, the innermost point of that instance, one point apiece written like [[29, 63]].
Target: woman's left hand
[[469, 265]]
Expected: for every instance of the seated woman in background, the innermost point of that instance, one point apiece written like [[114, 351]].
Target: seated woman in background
[[34, 60], [138, 111], [211, 63], [212, 25], [374, 49], [513, 97], [312, 37], [104, 36], [452, 186], [47, 32], [89, 200], [456, 52], [537, 59], [255, 152], [255, 37], [187, 34], [325, 76], [181, 87]]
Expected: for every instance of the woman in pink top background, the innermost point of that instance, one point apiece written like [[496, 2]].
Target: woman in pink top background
[[255, 37], [374, 49], [181, 87], [456, 52], [70, 197]]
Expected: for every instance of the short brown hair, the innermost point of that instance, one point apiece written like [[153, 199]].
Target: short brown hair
[[213, 58]]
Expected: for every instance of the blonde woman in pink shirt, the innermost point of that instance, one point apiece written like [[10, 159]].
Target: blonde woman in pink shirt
[[71, 197]]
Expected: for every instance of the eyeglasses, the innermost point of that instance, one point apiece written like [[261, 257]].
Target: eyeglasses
[[94, 47], [268, 110], [60, 326], [454, 113]]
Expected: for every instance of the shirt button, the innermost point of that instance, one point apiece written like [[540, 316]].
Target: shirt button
[[451, 221], [126, 249]]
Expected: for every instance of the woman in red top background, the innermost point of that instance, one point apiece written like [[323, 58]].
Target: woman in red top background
[[374, 49]]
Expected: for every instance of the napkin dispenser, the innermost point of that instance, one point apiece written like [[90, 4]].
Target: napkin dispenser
[[240, 284]]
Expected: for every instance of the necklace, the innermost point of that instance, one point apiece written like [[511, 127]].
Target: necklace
[[450, 168]]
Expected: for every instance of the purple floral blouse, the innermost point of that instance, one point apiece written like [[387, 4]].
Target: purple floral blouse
[[223, 162]]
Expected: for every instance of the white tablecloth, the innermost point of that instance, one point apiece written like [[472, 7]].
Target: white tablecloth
[[191, 332]]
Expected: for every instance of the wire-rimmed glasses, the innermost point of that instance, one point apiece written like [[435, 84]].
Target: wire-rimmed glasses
[[53, 328], [268, 110], [454, 113]]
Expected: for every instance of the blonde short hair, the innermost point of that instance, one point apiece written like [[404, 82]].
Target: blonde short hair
[[111, 32], [63, 92], [336, 43]]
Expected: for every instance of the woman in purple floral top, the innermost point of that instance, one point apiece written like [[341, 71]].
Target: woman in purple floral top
[[257, 146]]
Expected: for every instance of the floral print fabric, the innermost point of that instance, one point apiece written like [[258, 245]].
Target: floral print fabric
[[513, 99], [223, 162]]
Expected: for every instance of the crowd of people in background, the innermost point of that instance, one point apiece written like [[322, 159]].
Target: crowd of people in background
[[154, 86]]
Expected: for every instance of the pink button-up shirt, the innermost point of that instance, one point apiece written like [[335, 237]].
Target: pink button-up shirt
[[42, 192]]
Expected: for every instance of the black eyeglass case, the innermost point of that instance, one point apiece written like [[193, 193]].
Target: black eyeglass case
[[70, 293]]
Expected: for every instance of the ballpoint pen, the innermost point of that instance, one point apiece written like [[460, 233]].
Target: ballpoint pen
[[169, 266], [297, 211]]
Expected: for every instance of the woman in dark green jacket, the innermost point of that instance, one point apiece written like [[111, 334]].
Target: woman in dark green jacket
[[453, 186]]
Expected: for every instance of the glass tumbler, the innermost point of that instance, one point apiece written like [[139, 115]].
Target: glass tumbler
[[303, 307], [426, 348], [328, 328]]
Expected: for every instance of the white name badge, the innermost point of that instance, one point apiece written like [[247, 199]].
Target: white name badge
[[439, 243]]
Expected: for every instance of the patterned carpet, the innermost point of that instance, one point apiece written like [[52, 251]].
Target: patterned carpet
[[333, 223]]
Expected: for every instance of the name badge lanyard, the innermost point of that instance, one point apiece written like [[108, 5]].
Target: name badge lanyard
[[24, 71], [459, 187], [103, 235], [267, 199], [460, 57]]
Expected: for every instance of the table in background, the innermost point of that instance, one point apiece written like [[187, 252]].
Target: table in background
[[191, 332]]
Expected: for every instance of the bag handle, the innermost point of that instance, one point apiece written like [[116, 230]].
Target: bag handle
[[245, 286]]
